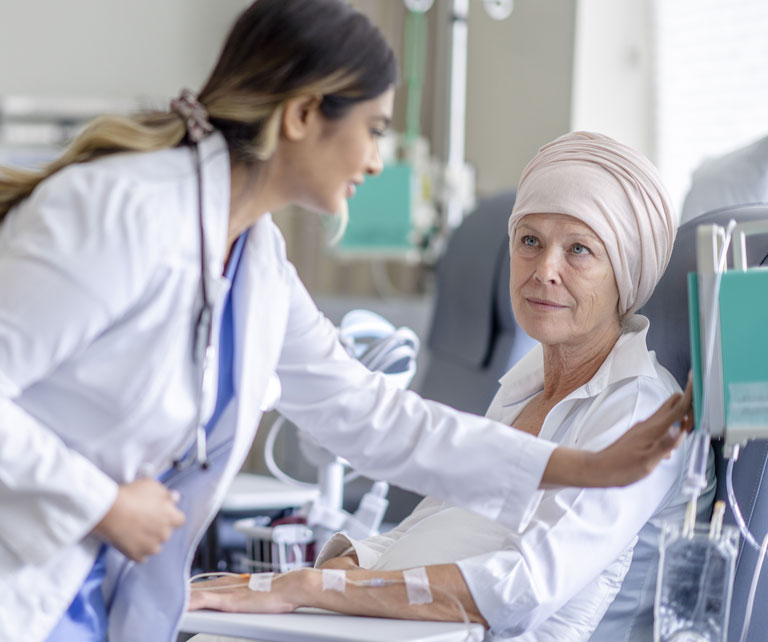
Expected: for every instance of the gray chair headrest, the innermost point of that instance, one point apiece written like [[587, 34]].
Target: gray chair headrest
[[667, 308], [469, 278]]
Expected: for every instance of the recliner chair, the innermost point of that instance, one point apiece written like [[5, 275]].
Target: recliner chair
[[474, 339], [669, 336]]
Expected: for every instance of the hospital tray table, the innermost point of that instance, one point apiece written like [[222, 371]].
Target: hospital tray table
[[317, 625]]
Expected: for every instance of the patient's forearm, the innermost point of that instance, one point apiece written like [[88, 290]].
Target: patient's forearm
[[290, 591], [390, 600]]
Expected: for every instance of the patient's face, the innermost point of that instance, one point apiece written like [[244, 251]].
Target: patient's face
[[562, 284]]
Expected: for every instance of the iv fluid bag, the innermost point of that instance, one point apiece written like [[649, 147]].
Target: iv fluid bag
[[695, 583]]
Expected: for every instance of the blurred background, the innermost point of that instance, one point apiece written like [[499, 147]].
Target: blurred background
[[485, 84]]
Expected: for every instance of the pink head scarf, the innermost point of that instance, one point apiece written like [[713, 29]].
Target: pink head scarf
[[618, 193]]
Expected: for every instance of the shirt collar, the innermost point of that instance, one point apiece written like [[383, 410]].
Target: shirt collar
[[628, 358]]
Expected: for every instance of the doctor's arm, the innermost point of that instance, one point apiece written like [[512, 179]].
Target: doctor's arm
[[66, 272], [425, 446]]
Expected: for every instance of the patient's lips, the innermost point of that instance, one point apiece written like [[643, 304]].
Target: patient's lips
[[544, 304]]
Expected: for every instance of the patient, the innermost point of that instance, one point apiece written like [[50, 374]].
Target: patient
[[590, 235]]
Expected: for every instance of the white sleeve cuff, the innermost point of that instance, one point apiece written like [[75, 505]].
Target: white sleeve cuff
[[340, 545], [523, 494], [96, 493], [508, 615], [55, 495]]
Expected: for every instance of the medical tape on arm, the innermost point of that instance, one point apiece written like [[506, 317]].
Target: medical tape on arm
[[417, 586], [334, 579], [261, 582]]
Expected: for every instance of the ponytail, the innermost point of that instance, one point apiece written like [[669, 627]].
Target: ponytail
[[102, 136]]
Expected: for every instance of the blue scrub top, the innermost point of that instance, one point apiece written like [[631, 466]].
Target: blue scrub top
[[86, 618]]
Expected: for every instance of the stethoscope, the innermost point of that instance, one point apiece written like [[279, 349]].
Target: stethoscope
[[203, 348]]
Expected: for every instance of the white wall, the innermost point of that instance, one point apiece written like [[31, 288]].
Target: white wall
[[613, 88], [518, 87], [109, 48], [712, 86]]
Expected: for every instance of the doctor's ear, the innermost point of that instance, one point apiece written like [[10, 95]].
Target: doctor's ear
[[300, 115]]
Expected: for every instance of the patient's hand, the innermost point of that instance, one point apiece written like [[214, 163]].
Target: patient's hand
[[238, 598]]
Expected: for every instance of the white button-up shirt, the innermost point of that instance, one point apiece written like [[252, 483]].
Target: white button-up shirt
[[583, 566]]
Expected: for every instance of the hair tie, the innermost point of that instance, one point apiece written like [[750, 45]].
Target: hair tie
[[194, 115]]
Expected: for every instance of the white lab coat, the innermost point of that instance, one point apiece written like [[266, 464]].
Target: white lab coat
[[99, 290]]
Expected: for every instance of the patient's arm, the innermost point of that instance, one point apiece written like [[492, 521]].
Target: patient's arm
[[305, 588]]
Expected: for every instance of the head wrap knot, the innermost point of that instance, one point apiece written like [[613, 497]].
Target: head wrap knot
[[618, 193], [194, 115]]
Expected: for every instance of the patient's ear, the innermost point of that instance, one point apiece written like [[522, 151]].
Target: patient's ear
[[301, 117]]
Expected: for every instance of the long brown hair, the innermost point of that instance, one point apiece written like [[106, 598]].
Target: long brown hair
[[277, 49]]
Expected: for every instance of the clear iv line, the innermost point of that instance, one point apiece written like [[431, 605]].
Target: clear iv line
[[696, 479]]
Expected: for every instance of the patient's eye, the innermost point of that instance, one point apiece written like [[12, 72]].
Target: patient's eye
[[529, 241], [578, 248]]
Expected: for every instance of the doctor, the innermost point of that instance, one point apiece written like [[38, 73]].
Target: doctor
[[148, 316]]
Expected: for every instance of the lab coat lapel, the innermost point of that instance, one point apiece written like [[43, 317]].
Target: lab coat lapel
[[260, 308]]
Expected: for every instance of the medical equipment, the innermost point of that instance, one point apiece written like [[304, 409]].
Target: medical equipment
[[499, 9], [695, 581], [729, 348], [34, 130], [278, 548], [367, 518], [729, 352]]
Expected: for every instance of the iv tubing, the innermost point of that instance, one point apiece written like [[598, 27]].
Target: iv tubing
[[279, 473], [269, 457], [742, 524], [695, 479], [753, 589], [721, 260]]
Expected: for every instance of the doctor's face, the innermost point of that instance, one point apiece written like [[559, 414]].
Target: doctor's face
[[562, 284], [340, 153]]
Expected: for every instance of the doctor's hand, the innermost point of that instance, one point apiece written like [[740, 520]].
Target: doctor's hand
[[142, 519], [631, 457]]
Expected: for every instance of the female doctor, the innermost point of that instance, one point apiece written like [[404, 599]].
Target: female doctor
[[148, 316]]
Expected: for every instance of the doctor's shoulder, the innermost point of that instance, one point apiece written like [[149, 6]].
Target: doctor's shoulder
[[104, 225], [116, 199]]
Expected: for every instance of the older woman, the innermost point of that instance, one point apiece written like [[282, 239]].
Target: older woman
[[590, 235]]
